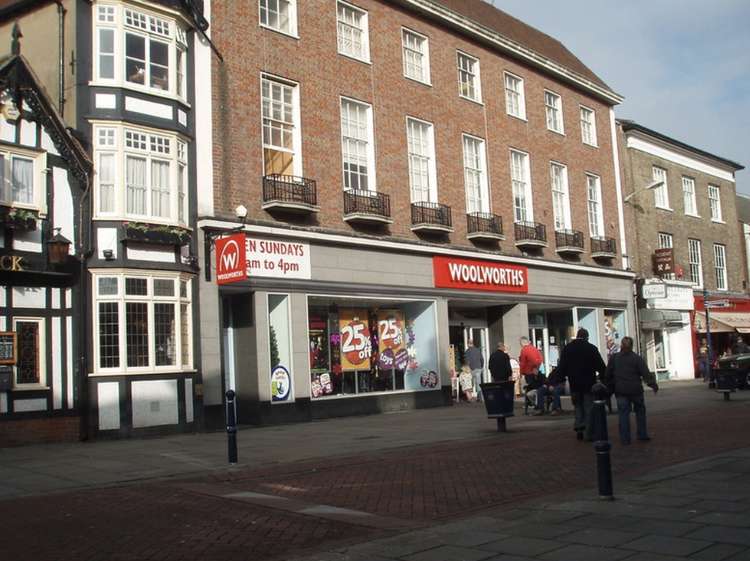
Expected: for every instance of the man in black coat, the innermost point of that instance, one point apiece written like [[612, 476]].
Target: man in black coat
[[627, 371], [580, 362], [500, 368]]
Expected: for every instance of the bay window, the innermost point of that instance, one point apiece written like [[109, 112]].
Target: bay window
[[21, 181], [139, 49], [142, 322], [153, 183]]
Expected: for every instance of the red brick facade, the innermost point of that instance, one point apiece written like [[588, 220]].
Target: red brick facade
[[324, 76]]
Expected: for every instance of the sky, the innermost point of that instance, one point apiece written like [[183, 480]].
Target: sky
[[683, 66]]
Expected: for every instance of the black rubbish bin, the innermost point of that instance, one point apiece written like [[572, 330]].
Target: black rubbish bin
[[499, 401], [727, 381]]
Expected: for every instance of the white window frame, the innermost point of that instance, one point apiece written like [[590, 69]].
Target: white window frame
[[116, 146], [370, 149], [484, 189], [432, 190], [364, 30], [714, 204], [720, 266], [521, 96], [664, 240], [41, 349], [292, 31], [688, 196], [554, 112], [115, 21], [589, 137], [560, 196], [525, 180], [661, 193], [296, 128], [599, 205], [39, 178], [425, 53], [150, 299], [475, 77], [695, 262]]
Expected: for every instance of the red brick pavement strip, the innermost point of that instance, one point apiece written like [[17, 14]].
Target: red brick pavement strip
[[166, 521]]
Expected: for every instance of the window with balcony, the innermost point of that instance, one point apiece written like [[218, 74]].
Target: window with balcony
[[422, 170], [596, 216], [560, 196], [520, 175], [142, 174], [714, 200], [139, 49], [475, 175], [279, 15], [469, 83], [358, 155], [553, 111], [280, 110], [352, 30], [588, 126], [416, 54], [515, 103], [142, 322]]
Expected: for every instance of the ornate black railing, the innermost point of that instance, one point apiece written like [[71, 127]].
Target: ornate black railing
[[530, 232], [569, 239], [603, 246], [434, 214], [289, 189], [367, 202], [484, 223]]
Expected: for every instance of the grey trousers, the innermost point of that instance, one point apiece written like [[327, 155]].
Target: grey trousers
[[584, 404]]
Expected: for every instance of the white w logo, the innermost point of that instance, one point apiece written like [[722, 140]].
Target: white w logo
[[229, 256]]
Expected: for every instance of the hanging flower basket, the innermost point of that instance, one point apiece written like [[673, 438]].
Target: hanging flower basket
[[18, 219], [155, 234]]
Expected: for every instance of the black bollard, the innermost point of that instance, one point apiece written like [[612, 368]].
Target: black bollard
[[601, 441], [231, 427]]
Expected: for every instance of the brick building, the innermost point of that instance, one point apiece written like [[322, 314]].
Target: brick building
[[405, 176], [681, 200]]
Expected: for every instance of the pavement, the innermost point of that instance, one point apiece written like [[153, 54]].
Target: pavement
[[420, 485]]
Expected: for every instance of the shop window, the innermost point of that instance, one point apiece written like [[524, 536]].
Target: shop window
[[364, 346], [280, 347], [614, 330]]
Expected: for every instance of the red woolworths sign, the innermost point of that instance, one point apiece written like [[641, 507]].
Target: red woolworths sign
[[231, 259], [470, 274]]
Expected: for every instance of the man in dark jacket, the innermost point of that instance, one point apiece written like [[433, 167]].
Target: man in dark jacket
[[579, 363], [627, 371], [500, 368]]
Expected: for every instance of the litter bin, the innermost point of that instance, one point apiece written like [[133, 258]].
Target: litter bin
[[727, 381], [499, 401]]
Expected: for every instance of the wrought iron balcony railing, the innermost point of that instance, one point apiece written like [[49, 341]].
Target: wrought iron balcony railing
[[484, 225], [431, 216], [530, 234], [569, 241], [367, 206], [603, 247], [288, 191]]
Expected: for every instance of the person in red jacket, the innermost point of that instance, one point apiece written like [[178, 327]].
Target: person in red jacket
[[529, 360]]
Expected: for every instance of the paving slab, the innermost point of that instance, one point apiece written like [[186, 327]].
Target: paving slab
[[718, 552], [667, 545], [520, 545], [449, 553], [601, 537], [471, 538], [586, 553], [722, 534], [722, 506], [723, 519]]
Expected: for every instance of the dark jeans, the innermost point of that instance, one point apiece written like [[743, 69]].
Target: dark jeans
[[638, 405], [584, 403], [554, 391]]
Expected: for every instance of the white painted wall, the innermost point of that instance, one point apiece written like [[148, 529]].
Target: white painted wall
[[29, 297], [108, 404], [63, 206], [154, 403], [203, 121]]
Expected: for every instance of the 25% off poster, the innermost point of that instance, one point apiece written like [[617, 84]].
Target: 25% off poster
[[356, 346]]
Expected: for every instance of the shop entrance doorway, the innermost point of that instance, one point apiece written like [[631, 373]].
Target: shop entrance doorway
[[460, 336]]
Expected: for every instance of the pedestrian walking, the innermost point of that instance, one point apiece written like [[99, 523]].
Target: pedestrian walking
[[466, 381], [740, 347], [627, 371], [529, 360], [475, 360], [580, 362], [499, 365]]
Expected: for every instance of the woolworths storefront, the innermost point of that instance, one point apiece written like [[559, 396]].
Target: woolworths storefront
[[326, 325]]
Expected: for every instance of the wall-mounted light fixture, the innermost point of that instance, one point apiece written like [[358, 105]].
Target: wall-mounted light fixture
[[58, 248]]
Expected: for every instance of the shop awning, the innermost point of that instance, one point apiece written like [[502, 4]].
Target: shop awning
[[723, 322], [661, 319]]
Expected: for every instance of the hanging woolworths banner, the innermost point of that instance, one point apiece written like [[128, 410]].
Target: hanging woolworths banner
[[356, 347], [391, 348]]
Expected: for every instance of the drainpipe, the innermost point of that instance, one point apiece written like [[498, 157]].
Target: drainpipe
[[61, 11], [84, 252]]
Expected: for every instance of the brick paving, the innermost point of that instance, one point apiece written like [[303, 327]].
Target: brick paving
[[424, 484]]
